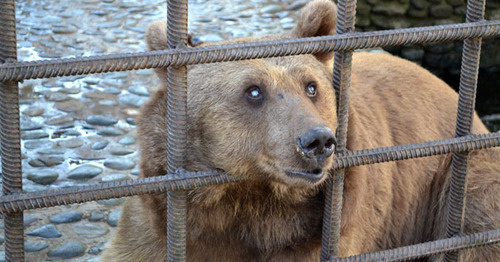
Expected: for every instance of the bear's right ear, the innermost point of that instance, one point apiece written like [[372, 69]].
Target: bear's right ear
[[156, 38], [318, 18]]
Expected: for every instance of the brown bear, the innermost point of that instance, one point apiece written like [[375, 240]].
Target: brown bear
[[272, 121]]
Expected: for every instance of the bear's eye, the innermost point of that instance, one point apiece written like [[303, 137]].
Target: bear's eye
[[311, 90], [254, 94]]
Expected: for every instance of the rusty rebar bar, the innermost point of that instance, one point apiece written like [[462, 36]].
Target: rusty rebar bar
[[341, 82], [465, 115], [184, 180], [177, 15], [211, 54], [180, 180], [429, 248], [402, 152], [10, 139]]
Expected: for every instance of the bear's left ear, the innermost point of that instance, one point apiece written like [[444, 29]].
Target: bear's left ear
[[318, 18]]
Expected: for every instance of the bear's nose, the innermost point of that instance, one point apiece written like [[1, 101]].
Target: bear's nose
[[317, 142]]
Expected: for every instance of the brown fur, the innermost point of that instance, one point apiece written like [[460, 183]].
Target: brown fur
[[273, 217]]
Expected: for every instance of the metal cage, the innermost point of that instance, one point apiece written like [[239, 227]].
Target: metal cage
[[13, 201]]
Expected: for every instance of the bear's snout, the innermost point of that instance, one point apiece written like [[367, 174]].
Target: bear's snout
[[317, 143]]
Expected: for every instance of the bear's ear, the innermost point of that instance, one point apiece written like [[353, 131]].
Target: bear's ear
[[156, 38], [318, 18]]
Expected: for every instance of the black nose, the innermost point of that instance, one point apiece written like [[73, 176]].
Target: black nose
[[317, 142]]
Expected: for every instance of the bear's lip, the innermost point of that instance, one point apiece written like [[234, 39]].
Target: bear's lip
[[312, 177]]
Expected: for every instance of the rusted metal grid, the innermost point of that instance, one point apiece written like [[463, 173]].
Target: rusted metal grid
[[13, 202]]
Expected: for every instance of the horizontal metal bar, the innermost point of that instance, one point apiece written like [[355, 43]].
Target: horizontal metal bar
[[211, 54], [184, 180], [429, 248], [438, 147], [181, 180]]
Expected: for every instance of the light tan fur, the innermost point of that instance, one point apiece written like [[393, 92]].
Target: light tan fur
[[273, 217]]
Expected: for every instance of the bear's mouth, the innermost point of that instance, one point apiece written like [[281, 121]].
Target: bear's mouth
[[312, 177]]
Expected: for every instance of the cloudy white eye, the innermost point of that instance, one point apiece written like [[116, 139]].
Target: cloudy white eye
[[254, 94], [311, 90]]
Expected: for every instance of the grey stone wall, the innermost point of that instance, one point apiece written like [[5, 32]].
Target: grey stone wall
[[390, 14], [443, 59]]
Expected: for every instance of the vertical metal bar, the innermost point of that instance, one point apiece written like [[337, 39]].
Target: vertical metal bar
[[341, 82], [10, 134], [465, 115], [177, 11]]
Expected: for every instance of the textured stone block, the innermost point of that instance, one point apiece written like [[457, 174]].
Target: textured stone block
[[420, 4], [362, 21], [441, 11], [414, 12], [455, 2], [413, 53], [363, 9], [460, 10], [390, 8], [390, 22], [439, 47]]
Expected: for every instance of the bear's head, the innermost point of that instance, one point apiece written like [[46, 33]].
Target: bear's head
[[265, 119]]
